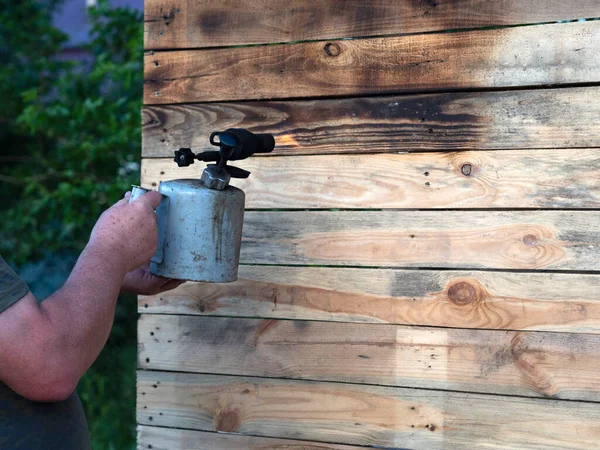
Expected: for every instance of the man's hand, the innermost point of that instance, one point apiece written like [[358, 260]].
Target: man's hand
[[142, 281], [128, 232]]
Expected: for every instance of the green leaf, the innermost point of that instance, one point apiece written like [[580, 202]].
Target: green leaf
[[66, 131]]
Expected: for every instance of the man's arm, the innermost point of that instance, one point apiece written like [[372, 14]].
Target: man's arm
[[46, 348]]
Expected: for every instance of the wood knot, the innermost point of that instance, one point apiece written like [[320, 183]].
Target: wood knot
[[332, 49], [466, 169], [462, 293], [227, 421], [533, 247], [530, 240]]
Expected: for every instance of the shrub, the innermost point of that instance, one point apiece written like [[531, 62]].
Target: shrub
[[69, 148]]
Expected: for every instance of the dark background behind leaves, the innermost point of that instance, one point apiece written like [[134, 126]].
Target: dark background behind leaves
[[69, 148]]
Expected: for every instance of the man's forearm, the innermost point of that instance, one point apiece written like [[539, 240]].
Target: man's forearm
[[46, 348], [81, 313]]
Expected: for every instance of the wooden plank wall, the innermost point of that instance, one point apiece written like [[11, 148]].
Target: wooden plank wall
[[421, 253]]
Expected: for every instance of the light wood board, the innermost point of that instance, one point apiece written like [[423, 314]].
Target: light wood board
[[565, 178], [486, 361], [363, 415], [533, 240], [462, 299]]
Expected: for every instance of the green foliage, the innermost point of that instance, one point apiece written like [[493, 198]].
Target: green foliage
[[70, 131], [69, 148], [29, 41], [107, 390]]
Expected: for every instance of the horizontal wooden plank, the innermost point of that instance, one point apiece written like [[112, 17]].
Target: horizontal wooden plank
[[493, 300], [159, 438], [497, 179], [509, 57], [201, 23], [363, 415], [544, 118], [485, 361], [565, 240]]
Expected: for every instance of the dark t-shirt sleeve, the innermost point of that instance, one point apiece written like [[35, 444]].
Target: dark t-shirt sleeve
[[12, 287]]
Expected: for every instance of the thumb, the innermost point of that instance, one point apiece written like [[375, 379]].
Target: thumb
[[150, 198]]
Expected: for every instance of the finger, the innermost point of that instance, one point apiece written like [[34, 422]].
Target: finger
[[122, 202], [150, 198], [171, 284], [144, 268]]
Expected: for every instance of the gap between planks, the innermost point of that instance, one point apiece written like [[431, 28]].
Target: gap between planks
[[408, 388], [161, 438]]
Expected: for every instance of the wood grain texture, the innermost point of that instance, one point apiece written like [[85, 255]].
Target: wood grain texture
[[484, 361], [545, 118], [462, 299], [363, 415], [159, 438], [204, 23], [565, 240], [509, 57], [494, 179]]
